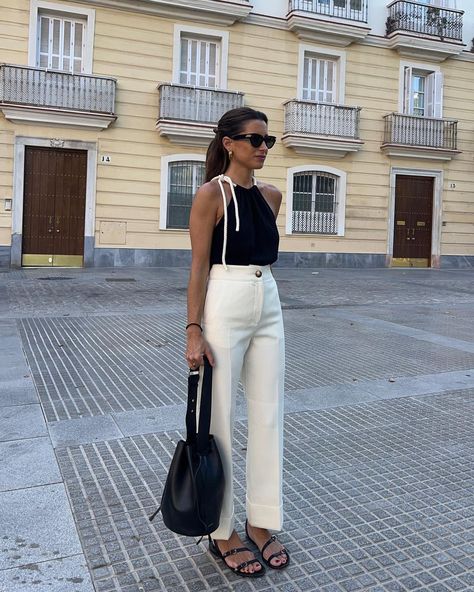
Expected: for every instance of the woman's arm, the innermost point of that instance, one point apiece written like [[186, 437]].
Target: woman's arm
[[202, 220]]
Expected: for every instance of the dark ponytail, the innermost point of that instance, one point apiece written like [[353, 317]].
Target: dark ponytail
[[230, 124]]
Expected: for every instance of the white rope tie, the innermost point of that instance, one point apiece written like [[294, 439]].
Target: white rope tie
[[220, 180]]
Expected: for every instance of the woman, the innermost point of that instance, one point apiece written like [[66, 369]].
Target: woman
[[235, 320]]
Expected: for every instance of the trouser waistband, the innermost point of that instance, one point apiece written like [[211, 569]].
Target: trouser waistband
[[240, 272]]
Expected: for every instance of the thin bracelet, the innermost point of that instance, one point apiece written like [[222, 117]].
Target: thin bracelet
[[191, 324]]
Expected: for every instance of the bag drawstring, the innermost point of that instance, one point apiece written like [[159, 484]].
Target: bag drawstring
[[220, 180]]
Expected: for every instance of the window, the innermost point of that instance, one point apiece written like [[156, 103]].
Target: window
[[422, 92], [61, 37], [319, 79], [184, 178], [200, 57], [335, 6], [314, 202], [60, 43], [321, 74], [199, 63]]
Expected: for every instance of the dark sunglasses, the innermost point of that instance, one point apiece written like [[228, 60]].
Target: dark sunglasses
[[257, 139]]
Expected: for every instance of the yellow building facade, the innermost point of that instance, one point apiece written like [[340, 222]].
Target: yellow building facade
[[107, 107]]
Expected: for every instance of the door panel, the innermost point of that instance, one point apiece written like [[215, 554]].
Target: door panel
[[413, 218], [54, 206]]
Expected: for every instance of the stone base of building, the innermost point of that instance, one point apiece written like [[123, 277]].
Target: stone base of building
[[182, 258], [457, 262]]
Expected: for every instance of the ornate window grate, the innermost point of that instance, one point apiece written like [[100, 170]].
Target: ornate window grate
[[315, 205], [184, 179]]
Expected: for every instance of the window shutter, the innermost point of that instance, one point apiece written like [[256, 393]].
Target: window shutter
[[438, 94], [199, 62], [60, 43], [407, 91], [429, 96]]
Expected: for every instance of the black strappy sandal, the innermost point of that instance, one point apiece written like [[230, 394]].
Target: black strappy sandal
[[214, 549], [282, 551]]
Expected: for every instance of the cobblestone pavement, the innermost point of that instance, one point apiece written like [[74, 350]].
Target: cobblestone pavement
[[379, 448]]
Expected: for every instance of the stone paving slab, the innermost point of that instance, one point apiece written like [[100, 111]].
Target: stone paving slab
[[17, 391], [67, 574], [27, 463], [377, 497], [36, 525], [83, 430], [21, 421]]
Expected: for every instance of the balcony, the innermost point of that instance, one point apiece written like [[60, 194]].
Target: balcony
[[321, 129], [35, 95], [188, 114], [421, 137], [338, 22], [418, 30]]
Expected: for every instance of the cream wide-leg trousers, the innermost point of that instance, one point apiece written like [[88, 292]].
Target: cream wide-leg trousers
[[243, 325]]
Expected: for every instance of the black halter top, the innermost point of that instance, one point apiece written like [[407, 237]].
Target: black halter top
[[256, 241]]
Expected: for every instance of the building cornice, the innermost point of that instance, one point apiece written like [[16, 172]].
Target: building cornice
[[219, 12]]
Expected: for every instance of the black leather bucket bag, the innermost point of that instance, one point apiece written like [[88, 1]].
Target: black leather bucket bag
[[194, 490]]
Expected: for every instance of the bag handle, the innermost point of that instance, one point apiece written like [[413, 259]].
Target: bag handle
[[201, 435]]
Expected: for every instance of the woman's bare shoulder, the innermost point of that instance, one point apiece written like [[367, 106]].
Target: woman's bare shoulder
[[271, 193], [208, 192]]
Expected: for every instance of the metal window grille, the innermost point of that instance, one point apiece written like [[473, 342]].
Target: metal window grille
[[184, 179], [315, 204]]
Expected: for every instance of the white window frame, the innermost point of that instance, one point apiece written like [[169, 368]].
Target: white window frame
[[37, 7], [221, 36], [328, 53], [341, 196], [436, 93], [165, 162]]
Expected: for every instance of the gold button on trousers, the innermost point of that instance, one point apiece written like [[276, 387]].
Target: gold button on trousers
[[243, 324]]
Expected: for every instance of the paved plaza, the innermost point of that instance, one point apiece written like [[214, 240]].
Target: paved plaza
[[379, 428]]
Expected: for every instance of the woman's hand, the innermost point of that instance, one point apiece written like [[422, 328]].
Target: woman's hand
[[196, 348]]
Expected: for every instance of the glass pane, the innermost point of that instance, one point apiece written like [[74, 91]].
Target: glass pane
[[330, 75], [212, 59], [79, 29], [203, 54], [194, 56], [67, 39], [66, 64], [56, 36], [324, 199], [418, 89], [356, 4], [184, 61], [339, 3], [55, 63], [43, 61], [44, 35], [302, 190]]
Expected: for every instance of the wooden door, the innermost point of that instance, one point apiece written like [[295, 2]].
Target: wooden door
[[413, 220], [54, 206]]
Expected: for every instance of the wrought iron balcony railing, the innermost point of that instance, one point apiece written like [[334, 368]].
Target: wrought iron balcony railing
[[353, 10], [36, 87], [200, 105], [321, 119], [415, 17], [421, 132]]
